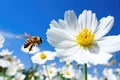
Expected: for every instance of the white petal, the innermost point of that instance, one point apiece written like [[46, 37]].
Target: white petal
[[82, 56], [56, 36], [94, 23], [84, 18], [80, 22], [5, 52], [109, 44], [78, 54], [2, 40], [104, 27], [108, 73], [4, 63], [71, 19], [54, 24], [88, 19], [100, 58], [102, 19], [50, 55], [67, 52], [66, 44], [67, 28], [112, 77], [94, 48], [62, 25]]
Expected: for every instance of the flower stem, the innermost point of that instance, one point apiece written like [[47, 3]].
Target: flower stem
[[30, 60], [3, 74], [36, 67], [85, 71], [47, 71]]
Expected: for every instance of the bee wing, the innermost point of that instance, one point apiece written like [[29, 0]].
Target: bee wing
[[22, 36], [27, 35]]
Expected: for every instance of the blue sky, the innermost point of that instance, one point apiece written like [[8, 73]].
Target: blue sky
[[34, 17]]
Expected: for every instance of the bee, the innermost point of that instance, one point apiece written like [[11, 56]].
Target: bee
[[31, 40]]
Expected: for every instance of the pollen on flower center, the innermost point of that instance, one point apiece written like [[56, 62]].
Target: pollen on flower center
[[43, 56], [50, 71], [67, 73], [85, 37], [9, 59]]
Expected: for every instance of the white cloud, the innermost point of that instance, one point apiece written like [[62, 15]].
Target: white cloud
[[8, 34]]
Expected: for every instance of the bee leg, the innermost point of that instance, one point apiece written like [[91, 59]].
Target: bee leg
[[31, 47]]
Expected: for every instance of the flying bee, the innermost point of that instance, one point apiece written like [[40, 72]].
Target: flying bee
[[31, 40]]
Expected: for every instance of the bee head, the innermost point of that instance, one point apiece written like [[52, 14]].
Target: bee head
[[39, 40]]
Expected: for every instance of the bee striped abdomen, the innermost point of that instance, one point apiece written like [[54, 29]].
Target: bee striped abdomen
[[27, 43]]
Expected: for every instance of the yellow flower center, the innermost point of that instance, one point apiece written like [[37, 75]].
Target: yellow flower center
[[50, 71], [43, 56], [85, 37], [9, 59], [67, 73]]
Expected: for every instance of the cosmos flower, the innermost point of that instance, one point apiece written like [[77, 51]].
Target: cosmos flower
[[79, 75], [19, 76], [42, 57], [11, 71], [83, 39], [2, 39], [17, 62], [51, 71], [6, 58], [68, 72], [4, 63], [117, 70], [5, 52], [14, 67], [108, 74]]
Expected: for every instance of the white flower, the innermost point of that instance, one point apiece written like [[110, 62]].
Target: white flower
[[19, 76], [79, 75], [4, 63], [117, 70], [42, 57], [108, 73], [51, 71], [5, 52], [17, 63], [68, 72], [2, 40], [5, 58], [83, 39], [11, 71], [33, 50]]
